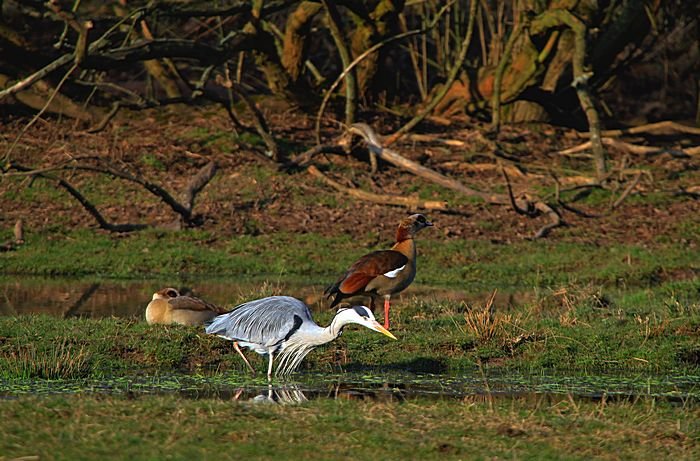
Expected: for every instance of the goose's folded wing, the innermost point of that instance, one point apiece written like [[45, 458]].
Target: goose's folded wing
[[195, 304], [370, 266]]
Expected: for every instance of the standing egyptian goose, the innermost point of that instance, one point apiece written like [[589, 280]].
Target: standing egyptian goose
[[383, 273]]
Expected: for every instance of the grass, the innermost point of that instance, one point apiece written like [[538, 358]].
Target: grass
[[474, 263], [574, 328], [477, 427]]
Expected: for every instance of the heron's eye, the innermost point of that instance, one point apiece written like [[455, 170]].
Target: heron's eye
[[172, 293]]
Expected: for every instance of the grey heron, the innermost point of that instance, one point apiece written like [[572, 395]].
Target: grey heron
[[282, 325]]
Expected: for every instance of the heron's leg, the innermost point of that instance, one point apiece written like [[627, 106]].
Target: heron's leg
[[269, 367], [238, 349], [386, 311]]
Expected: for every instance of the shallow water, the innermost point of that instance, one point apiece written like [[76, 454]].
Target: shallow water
[[67, 297], [387, 387]]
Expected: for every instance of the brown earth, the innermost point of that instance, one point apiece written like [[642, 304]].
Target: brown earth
[[252, 195]]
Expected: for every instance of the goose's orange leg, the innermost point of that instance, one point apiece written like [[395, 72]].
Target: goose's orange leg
[[386, 313]]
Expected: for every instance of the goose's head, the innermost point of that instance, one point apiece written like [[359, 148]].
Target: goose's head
[[166, 293]]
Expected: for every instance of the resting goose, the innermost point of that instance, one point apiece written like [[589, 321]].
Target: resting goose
[[169, 306]]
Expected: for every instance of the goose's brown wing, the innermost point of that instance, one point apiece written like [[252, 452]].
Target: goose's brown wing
[[195, 304], [368, 267]]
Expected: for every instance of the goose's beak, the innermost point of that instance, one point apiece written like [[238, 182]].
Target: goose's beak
[[377, 327]]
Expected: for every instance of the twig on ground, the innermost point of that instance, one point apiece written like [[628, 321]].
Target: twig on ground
[[627, 190], [629, 147], [379, 198], [303, 159], [666, 126]]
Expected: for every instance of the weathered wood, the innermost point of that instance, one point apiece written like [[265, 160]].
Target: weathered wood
[[522, 205], [383, 199]]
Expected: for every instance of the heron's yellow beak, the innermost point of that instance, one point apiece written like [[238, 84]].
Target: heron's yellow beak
[[383, 330]]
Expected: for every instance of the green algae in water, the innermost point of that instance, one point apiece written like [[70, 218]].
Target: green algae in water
[[404, 385]]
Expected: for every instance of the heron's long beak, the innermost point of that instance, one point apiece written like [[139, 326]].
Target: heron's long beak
[[377, 327]]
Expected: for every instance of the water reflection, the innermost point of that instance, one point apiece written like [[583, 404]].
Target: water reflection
[[66, 297], [295, 394], [389, 388]]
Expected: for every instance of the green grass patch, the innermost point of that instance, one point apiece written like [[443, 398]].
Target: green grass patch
[[472, 263], [572, 329], [157, 427]]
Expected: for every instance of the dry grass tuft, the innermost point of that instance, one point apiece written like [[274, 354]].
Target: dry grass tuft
[[60, 361], [485, 324]]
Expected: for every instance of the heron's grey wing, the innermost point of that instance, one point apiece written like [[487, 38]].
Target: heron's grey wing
[[266, 321]]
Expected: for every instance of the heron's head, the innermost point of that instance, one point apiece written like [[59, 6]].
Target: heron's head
[[166, 293], [361, 315], [411, 225]]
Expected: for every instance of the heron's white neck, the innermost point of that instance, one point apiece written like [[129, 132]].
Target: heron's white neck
[[320, 335]]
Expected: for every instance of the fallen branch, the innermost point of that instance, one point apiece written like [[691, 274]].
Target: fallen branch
[[379, 198], [197, 183], [89, 207], [692, 191], [665, 127], [305, 158], [260, 124], [627, 190], [185, 209], [532, 208], [628, 147]]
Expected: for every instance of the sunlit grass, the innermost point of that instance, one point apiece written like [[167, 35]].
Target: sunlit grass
[[574, 327], [477, 427], [59, 360]]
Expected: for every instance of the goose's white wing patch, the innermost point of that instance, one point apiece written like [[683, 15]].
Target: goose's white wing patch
[[393, 274]]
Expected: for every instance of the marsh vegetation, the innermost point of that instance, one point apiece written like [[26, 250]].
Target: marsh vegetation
[[208, 146]]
